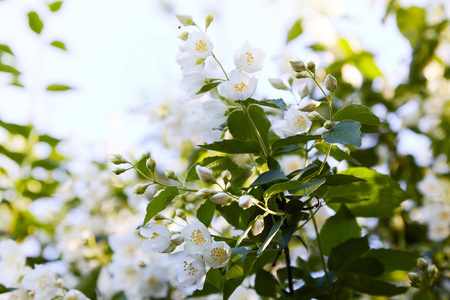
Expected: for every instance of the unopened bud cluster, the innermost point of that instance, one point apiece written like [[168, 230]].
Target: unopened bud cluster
[[426, 276]]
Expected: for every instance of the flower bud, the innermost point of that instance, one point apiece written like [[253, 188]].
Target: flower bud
[[311, 66], [59, 283], [204, 193], [140, 189], [433, 272], [183, 36], [159, 217], [330, 83], [205, 174], [304, 90], [118, 159], [422, 263], [302, 75], [258, 226], [209, 18], [226, 175], [315, 116], [170, 174], [150, 164], [291, 80], [246, 201], [415, 279], [308, 105], [297, 65], [328, 125], [278, 84], [180, 213], [177, 239], [185, 20], [222, 199], [119, 171]]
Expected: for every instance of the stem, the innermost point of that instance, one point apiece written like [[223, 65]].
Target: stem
[[220, 65], [320, 250], [269, 210], [258, 135], [254, 163], [325, 160], [289, 270], [313, 77]]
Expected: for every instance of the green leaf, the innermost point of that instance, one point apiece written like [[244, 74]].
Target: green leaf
[[258, 116], [309, 187], [88, 284], [411, 23], [281, 187], [357, 112], [337, 153], [295, 31], [338, 229], [294, 140], [233, 146], [230, 286], [208, 87], [240, 127], [5, 48], [217, 164], [58, 87], [59, 45], [23, 130], [365, 265], [15, 156], [345, 132], [160, 202], [9, 69], [368, 285], [4, 289], [236, 264], [55, 6], [269, 177], [35, 22], [49, 140], [271, 235], [382, 192], [341, 179], [266, 285], [395, 259], [347, 252], [205, 212], [215, 278], [274, 103]]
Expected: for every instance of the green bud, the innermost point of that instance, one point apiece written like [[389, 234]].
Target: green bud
[[209, 18], [159, 217], [118, 159], [415, 279], [140, 189], [328, 125], [330, 83], [311, 66], [433, 272], [183, 36], [119, 171], [297, 65], [315, 116], [422, 263], [185, 20], [304, 90], [180, 213], [199, 61], [278, 84], [170, 174], [302, 75], [150, 164], [291, 80], [226, 175]]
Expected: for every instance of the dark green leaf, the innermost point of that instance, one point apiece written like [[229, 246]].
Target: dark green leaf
[[266, 285], [23, 130], [55, 6], [345, 132], [368, 285], [208, 87], [365, 265], [269, 177], [341, 179], [295, 31], [260, 121], [230, 286], [5, 48], [59, 45], [382, 192], [160, 202], [345, 253], [88, 284], [281, 187], [338, 229], [4, 289], [215, 278], [35, 22], [337, 153], [294, 140], [58, 88], [217, 164], [15, 156], [310, 167], [49, 140], [274, 103], [271, 235], [233, 146], [205, 212], [395, 259], [309, 187], [357, 112], [240, 127]]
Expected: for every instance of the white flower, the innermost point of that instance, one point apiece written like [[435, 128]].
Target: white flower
[[217, 255], [12, 263], [430, 186], [42, 281], [196, 237], [222, 199], [154, 282], [215, 110], [191, 269], [246, 201], [126, 247], [193, 82], [198, 43], [308, 105], [188, 62], [294, 122], [75, 295], [204, 173], [249, 59], [239, 87], [158, 238], [126, 277]]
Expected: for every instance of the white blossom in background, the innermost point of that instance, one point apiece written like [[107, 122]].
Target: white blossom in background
[[240, 86], [42, 281], [126, 277], [217, 255], [12, 263], [126, 247], [158, 238], [155, 281], [215, 110], [196, 237], [191, 270], [294, 122], [75, 295], [430, 186], [437, 216], [192, 82], [199, 45], [188, 62], [248, 58]]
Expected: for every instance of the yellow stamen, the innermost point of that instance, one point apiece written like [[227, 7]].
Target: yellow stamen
[[218, 254], [250, 58], [197, 237], [239, 87], [201, 46]]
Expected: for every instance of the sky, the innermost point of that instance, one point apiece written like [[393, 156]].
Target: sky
[[121, 57]]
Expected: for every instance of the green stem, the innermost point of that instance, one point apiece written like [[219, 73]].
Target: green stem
[[320, 250], [325, 160], [258, 135], [220, 65], [313, 77], [254, 163]]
